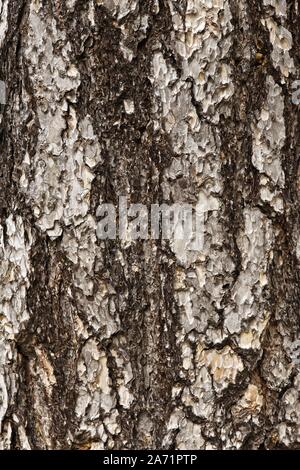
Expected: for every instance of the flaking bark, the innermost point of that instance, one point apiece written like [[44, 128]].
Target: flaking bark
[[147, 344]]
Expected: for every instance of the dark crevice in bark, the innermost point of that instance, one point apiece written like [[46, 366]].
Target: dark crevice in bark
[[134, 160], [240, 177], [132, 157]]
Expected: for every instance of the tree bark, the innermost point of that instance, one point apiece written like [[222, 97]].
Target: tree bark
[[110, 344]]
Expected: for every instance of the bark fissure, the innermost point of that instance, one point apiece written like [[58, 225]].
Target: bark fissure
[[117, 344]]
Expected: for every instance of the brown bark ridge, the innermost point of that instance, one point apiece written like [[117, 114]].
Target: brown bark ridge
[[117, 344]]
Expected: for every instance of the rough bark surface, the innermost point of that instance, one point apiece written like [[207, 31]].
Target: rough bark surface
[[148, 344]]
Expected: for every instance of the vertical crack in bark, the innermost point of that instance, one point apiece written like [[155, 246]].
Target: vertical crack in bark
[[140, 275], [149, 344]]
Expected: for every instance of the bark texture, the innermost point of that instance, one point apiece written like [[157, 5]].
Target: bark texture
[[148, 344]]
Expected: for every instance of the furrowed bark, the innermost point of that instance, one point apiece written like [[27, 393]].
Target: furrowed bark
[[121, 344]]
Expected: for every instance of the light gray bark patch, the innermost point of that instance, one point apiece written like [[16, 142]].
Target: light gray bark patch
[[148, 344]]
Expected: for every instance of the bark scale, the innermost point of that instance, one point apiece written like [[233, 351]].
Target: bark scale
[[149, 344]]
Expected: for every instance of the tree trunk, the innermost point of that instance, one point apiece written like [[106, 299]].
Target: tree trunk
[[115, 344]]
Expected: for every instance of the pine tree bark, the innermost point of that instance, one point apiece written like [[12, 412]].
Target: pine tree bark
[[148, 344]]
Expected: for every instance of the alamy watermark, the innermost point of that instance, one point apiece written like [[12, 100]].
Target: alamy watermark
[[129, 222]]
